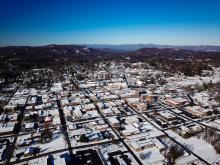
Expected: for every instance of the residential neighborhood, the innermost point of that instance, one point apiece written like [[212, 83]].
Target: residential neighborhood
[[110, 115], [109, 82]]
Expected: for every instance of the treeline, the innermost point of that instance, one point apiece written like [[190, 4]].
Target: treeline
[[15, 60]]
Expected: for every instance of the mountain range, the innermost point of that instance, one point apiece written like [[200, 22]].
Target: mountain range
[[132, 47]]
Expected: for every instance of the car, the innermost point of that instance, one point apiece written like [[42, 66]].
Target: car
[[32, 151]]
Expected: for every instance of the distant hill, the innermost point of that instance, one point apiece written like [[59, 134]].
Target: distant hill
[[14, 60], [132, 47], [50, 50], [27, 57]]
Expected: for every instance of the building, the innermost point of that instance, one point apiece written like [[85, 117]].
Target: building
[[175, 102], [114, 122], [197, 111], [166, 115]]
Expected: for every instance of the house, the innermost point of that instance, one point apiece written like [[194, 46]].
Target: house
[[175, 102], [68, 110], [197, 111], [76, 101], [88, 107], [65, 102], [85, 101], [77, 114], [166, 115], [78, 94], [119, 102], [116, 111], [71, 127], [95, 136], [184, 129], [132, 101], [131, 119], [141, 144], [107, 112], [172, 103], [130, 130], [141, 107], [38, 107], [152, 156], [113, 121], [90, 114], [159, 145], [100, 105], [110, 97], [117, 85], [143, 96], [92, 124], [129, 94], [29, 126], [57, 87], [101, 127], [32, 100], [147, 97]]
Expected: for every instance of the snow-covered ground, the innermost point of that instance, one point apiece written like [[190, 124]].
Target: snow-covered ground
[[109, 148], [8, 128], [183, 81], [57, 143], [204, 99], [214, 124], [199, 147], [43, 160], [74, 135]]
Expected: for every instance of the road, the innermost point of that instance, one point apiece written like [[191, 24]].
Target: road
[[193, 120], [60, 150], [16, 134], [174, 140], [64, 126], [201, 159], [119, 137]]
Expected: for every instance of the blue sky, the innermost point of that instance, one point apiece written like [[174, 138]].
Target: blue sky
[[176, 22]]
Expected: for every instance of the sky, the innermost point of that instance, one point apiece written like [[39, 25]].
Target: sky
[[173, 22]]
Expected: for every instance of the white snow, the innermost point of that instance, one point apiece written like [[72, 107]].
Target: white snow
[[199, 147]]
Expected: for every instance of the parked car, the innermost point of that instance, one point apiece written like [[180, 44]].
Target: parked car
[[32, 151]]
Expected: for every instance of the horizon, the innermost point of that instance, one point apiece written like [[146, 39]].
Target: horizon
[[182, 23], [86, 44]]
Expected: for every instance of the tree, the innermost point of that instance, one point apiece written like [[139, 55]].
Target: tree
[[209, 113], [175, 152], [83, 138], [205, 86], [217, 147], [1, 110]]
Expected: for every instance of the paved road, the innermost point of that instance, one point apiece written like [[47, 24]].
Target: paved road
[[113, 129], [136, 158], [60, 150], [193, 120], [201, 159], [64, 126], [19, 123], [119, 137]]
